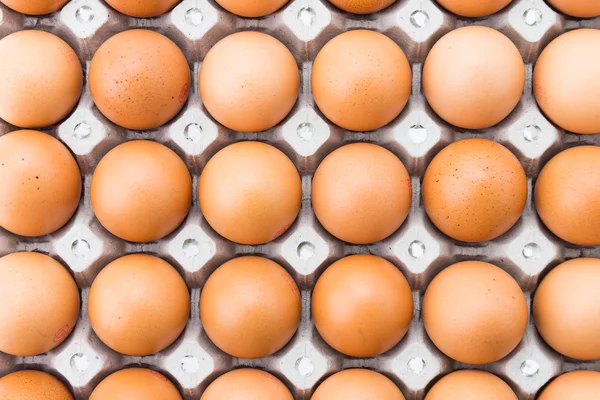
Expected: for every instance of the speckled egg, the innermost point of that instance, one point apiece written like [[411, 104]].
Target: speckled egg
[[574, 385], [35, 7], [577, 8], [142, 8], [357, 384], [474, 8], [470, 385], [247, 384], [32, 385], [135, 384]]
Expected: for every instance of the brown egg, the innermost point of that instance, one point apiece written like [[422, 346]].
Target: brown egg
[[40, 304], [567, 195], [139, 79], [473, 77], [142, 9], [40, 184], [141, 191], [362, 6], [474, 190], [32, 385], [136, 384], [577, 8], [357, 384], [246, 384], [474, 8], [471, 385], [566, 80], [574, 385], [361, 80], [249, 81], [252, 9], [474, 312], [250, 307], [566, 308], [250, 192], [362, 305], [138, 305], [40, 79], [35, 7]]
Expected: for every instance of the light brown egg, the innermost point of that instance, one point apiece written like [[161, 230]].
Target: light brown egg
[[470, 385], [40, 303], [566, 308], [139, 79], [361, 80], [135, 384], [141, 191], [567, 195], [40, 79], [577, 8], [474, 190], [250, 192], [362, 6], [250, 307], [32, 385], [357, 384], [138, 304], [473, 77], [40, 183], [474, 312], [474, 8], [252, 9], [249, 81], [566, 80], [144, 8], [362, 305], [574, 385], [247, 384], [35, 7]]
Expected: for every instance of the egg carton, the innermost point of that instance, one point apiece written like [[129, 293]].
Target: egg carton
[[527, 251]]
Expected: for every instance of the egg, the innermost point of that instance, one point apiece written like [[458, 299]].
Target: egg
[[138, 305], [567, 195], [141, 191], [357, 384], [250, 307], [249, 81], [250, 192], [40, 79], [474, 312], [142, 9], [135, 384], [566, 80], [362, 6], [32, 385], [470, 385], [474, 8], [362, 305], [246, 384], [566, 308], [577, 8], [40, 304], [361, 80], [574, 385], [252, 9], [473, 77], [139, 79], [35, 7], [474, 190]]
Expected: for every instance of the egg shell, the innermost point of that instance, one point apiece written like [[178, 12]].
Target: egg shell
[[470, 385], [473, 77], [40, 79], [246, 384], [474, 312], [250, 192], [566, 80], [32, 385], [574, 385], [252, 9], [35, 7], [135, 384], [142, 8], [138, 305], [40, 183], [474, 8], [362, 6], [250, 307], [141, 191], [361, 80], [249, 81], [474, 190], [139, 79], [362, 305], [577, 8], [357, 384]]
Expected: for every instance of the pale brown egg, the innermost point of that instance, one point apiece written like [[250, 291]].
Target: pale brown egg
[[474, 312], [566, 80], [141, 191], [577, 8], [250, 192], [250, 307], [135, 384], [471, 385], [139, 79], [361, 80], [474, 8], [567, 195], [35, 7], [40, 303], [474, 190], [247, 384], [40, 183], [362, 305], [138, 304], [252, 9], [357, 384], [249, 81], [32, 385], [142, 8], [40, 79], [362, 6], [574, 385], [473, 77]]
